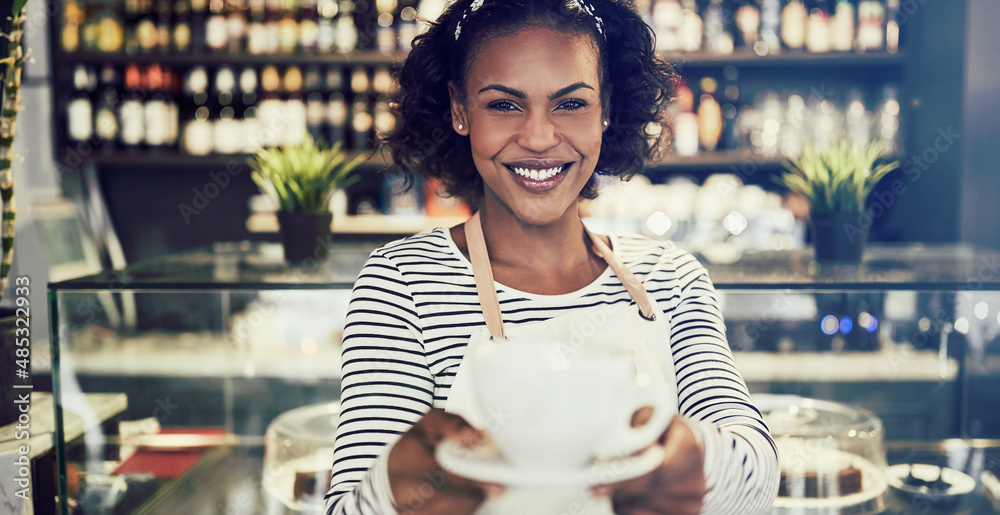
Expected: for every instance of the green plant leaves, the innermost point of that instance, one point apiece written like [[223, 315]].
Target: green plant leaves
[[18, 5], [302, 178], [837, 179]]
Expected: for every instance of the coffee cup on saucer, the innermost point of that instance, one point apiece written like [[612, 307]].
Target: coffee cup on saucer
[[552, 406]]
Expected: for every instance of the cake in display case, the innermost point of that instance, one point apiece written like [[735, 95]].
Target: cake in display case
[[297, 458], [832, 456]]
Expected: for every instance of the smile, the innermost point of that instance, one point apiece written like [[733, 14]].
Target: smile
[[538, 174]]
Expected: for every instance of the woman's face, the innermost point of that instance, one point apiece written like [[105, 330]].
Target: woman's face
[[532, 111]]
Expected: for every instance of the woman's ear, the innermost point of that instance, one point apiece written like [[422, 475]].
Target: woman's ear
[[459, 116]]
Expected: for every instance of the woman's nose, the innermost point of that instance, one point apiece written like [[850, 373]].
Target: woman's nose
[[537, 133]]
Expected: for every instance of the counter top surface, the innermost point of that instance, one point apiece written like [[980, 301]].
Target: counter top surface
[[261, 266]]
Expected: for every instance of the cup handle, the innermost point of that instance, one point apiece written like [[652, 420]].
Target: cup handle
[[631, 440]]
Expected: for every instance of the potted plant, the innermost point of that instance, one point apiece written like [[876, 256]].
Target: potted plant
[[300, 179], [836, 182]]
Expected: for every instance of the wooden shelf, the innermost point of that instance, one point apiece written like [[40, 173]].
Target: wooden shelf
[[722, 161], [220, 58], [682, 60], [141, 158], [267, 222]]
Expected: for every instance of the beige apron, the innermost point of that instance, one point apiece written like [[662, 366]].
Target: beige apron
[[641, 328]]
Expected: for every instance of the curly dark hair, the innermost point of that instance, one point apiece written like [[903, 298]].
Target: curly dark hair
[[424, 143]]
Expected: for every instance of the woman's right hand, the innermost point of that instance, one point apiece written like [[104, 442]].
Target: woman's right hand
[[420, 485]]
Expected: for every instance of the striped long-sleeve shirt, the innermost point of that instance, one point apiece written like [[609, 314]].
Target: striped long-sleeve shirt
[[414, 308]]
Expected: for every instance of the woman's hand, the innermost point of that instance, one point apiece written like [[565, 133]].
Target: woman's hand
[[676, 487], [419, 484]]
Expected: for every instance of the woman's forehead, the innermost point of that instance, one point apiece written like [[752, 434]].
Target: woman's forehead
[[536, 54]]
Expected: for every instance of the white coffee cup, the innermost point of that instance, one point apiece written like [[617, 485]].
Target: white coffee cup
[[552, 406]]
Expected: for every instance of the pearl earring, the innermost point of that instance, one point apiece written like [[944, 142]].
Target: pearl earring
[[460, 126], [605, 123]]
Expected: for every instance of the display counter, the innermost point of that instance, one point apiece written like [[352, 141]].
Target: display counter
[[213, 345]]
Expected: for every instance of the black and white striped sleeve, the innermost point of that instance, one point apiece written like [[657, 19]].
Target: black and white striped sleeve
[[386, 386], [741, 461]]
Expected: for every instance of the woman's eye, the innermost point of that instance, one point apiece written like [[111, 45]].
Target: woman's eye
[[573, 105], [502, 105]]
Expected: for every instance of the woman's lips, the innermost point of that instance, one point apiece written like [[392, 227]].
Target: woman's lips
[[538, 176]]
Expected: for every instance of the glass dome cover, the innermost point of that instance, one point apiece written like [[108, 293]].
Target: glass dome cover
[[832, 455], [298, 456]]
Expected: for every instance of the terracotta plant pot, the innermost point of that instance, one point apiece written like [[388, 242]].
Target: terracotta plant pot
[[8, 410], [838, 236], [305, 236]]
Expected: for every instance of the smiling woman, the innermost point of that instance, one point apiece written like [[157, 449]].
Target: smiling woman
[[516, 105]]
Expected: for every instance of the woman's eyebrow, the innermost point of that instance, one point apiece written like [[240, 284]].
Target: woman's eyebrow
[[520, 94]]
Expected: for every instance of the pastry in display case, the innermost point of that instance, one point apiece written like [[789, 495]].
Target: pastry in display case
[[297, 458], [832, 456]]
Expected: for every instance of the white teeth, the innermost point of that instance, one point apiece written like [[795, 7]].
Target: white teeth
[[537, 175]]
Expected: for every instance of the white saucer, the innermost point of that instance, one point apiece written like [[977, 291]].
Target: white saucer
[[486, 464]]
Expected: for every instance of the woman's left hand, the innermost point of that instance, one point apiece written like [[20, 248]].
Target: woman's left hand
[[676, 487]]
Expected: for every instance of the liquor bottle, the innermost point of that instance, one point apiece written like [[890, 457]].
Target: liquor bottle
[[842, 28], [293, 80], [270, 80], [336, 117], [257, 29], [198, 134], [709, 115], [887, 122], [156, 109], [406, 28], [288, 30], [666, 17], [361, 123], [346, 30], [145, 32], [182, 26], [793, 24], [171, 88], [770, 27], [384, 121], [818, 27], [111, 32], [80, 110], [360, 82], [717, 38], [106, 124], [227, 131], [308, 26], [236, 25], [857, 119], [273, 14], [748, 22], [326, 35], [685, 123], [730, 109], [217, 26], [72, 22], [365, 16], [198, 25], [132, 111], [892, 26], [249, 117], [296, 118], [382, 81], [316, 116], [385, 35], [334, 79], [248, 88], [871, 25], [691, 27], [164, 17], [796, 118]]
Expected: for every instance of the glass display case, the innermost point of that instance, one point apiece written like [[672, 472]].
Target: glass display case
[[211, 347]]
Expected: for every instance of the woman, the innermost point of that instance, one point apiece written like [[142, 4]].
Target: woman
[[514, 104]]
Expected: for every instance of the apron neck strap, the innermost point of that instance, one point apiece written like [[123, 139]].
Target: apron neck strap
[[486, 287]]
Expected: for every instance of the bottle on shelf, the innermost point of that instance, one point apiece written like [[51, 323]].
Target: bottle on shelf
[[384, 121], [181, 38], [770, 28], [730, 109], [288, 29], [887, 123], [326, 35], [80, 109], [793, 24], [796, 118], [765, 136], [89, 27], [227, 131], [709, 115], [336, 117], [818, 27], [164, 19], [316, 116], [842, 27], [857, 119], [361, 122], [692, 28], [385, 35], [346, 30], [406, 27], [717, 37], [871, 26], [73, 19], [748, 23], [199, 30], [667, 19], [308, 26], [106, 124], [217, 26], [237, 25], [892, 26], [110, 29], [160, 110], [685, 123], [197, 132]]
